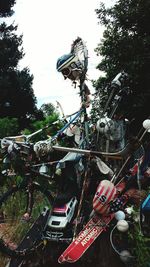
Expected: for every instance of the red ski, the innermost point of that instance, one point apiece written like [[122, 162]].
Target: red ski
[[86, 237], [96, 225]]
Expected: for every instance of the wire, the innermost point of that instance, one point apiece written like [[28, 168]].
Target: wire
[[112, 244]]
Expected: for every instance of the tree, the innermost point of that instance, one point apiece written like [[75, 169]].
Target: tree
[[48, 109], [17, 99], [6, 7], [126, 46], [10, 43], [8, 127]]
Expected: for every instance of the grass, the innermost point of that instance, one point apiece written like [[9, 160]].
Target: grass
[[13, 228], [3, 260]]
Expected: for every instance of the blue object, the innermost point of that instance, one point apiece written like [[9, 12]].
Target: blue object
[[64, 61], [146, 204], [67, 124]]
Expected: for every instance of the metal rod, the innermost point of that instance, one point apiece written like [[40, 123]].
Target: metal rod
[[122, 152], [80, 203], [109, 99], [67, 125]]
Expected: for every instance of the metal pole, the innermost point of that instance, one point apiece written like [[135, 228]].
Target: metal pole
[[121, 153]]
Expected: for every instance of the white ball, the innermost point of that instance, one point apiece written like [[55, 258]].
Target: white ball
[[102, 124], [146, 124], [120, 215], [125, 256], [122, 225]]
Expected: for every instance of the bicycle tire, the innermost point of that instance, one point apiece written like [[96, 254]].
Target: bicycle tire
[[13, 227]]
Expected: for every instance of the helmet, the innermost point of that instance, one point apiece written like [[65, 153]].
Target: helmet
[[64, 61], [105, 193], [70, 66]]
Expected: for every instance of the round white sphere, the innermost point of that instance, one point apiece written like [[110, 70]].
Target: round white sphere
[[122, 225], [125, 256], [146, 124], [120, 215], [101, 125]]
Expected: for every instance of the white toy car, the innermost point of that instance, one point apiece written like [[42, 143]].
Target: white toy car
[[63, 215]]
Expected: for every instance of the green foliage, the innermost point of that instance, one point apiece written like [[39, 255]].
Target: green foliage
[[3, 260], [48, 109], [125, 46], [11, 51], [15, 85], [17, 97], [141, 247], [49, 129], [8, 127], [100, 99]]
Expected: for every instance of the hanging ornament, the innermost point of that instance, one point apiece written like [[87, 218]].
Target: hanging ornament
[[120, 215], [102, 125], [122, 226], [146, 125], [125, 256], [43, 169]]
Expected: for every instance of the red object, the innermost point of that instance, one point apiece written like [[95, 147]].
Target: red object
[[105, 193], [60, 209], [96, 225], [86, 237], [134, 169]]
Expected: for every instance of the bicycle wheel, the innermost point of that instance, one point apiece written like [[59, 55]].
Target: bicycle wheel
[[14, 226]]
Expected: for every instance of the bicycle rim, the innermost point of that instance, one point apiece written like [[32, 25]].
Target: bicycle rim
[[14, 222]]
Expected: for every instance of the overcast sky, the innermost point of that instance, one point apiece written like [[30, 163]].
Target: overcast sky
[[49, 28]]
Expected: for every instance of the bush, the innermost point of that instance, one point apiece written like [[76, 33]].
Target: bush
[[8, 127]]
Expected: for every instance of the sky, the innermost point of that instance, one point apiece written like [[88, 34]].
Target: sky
[[49, 28]]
